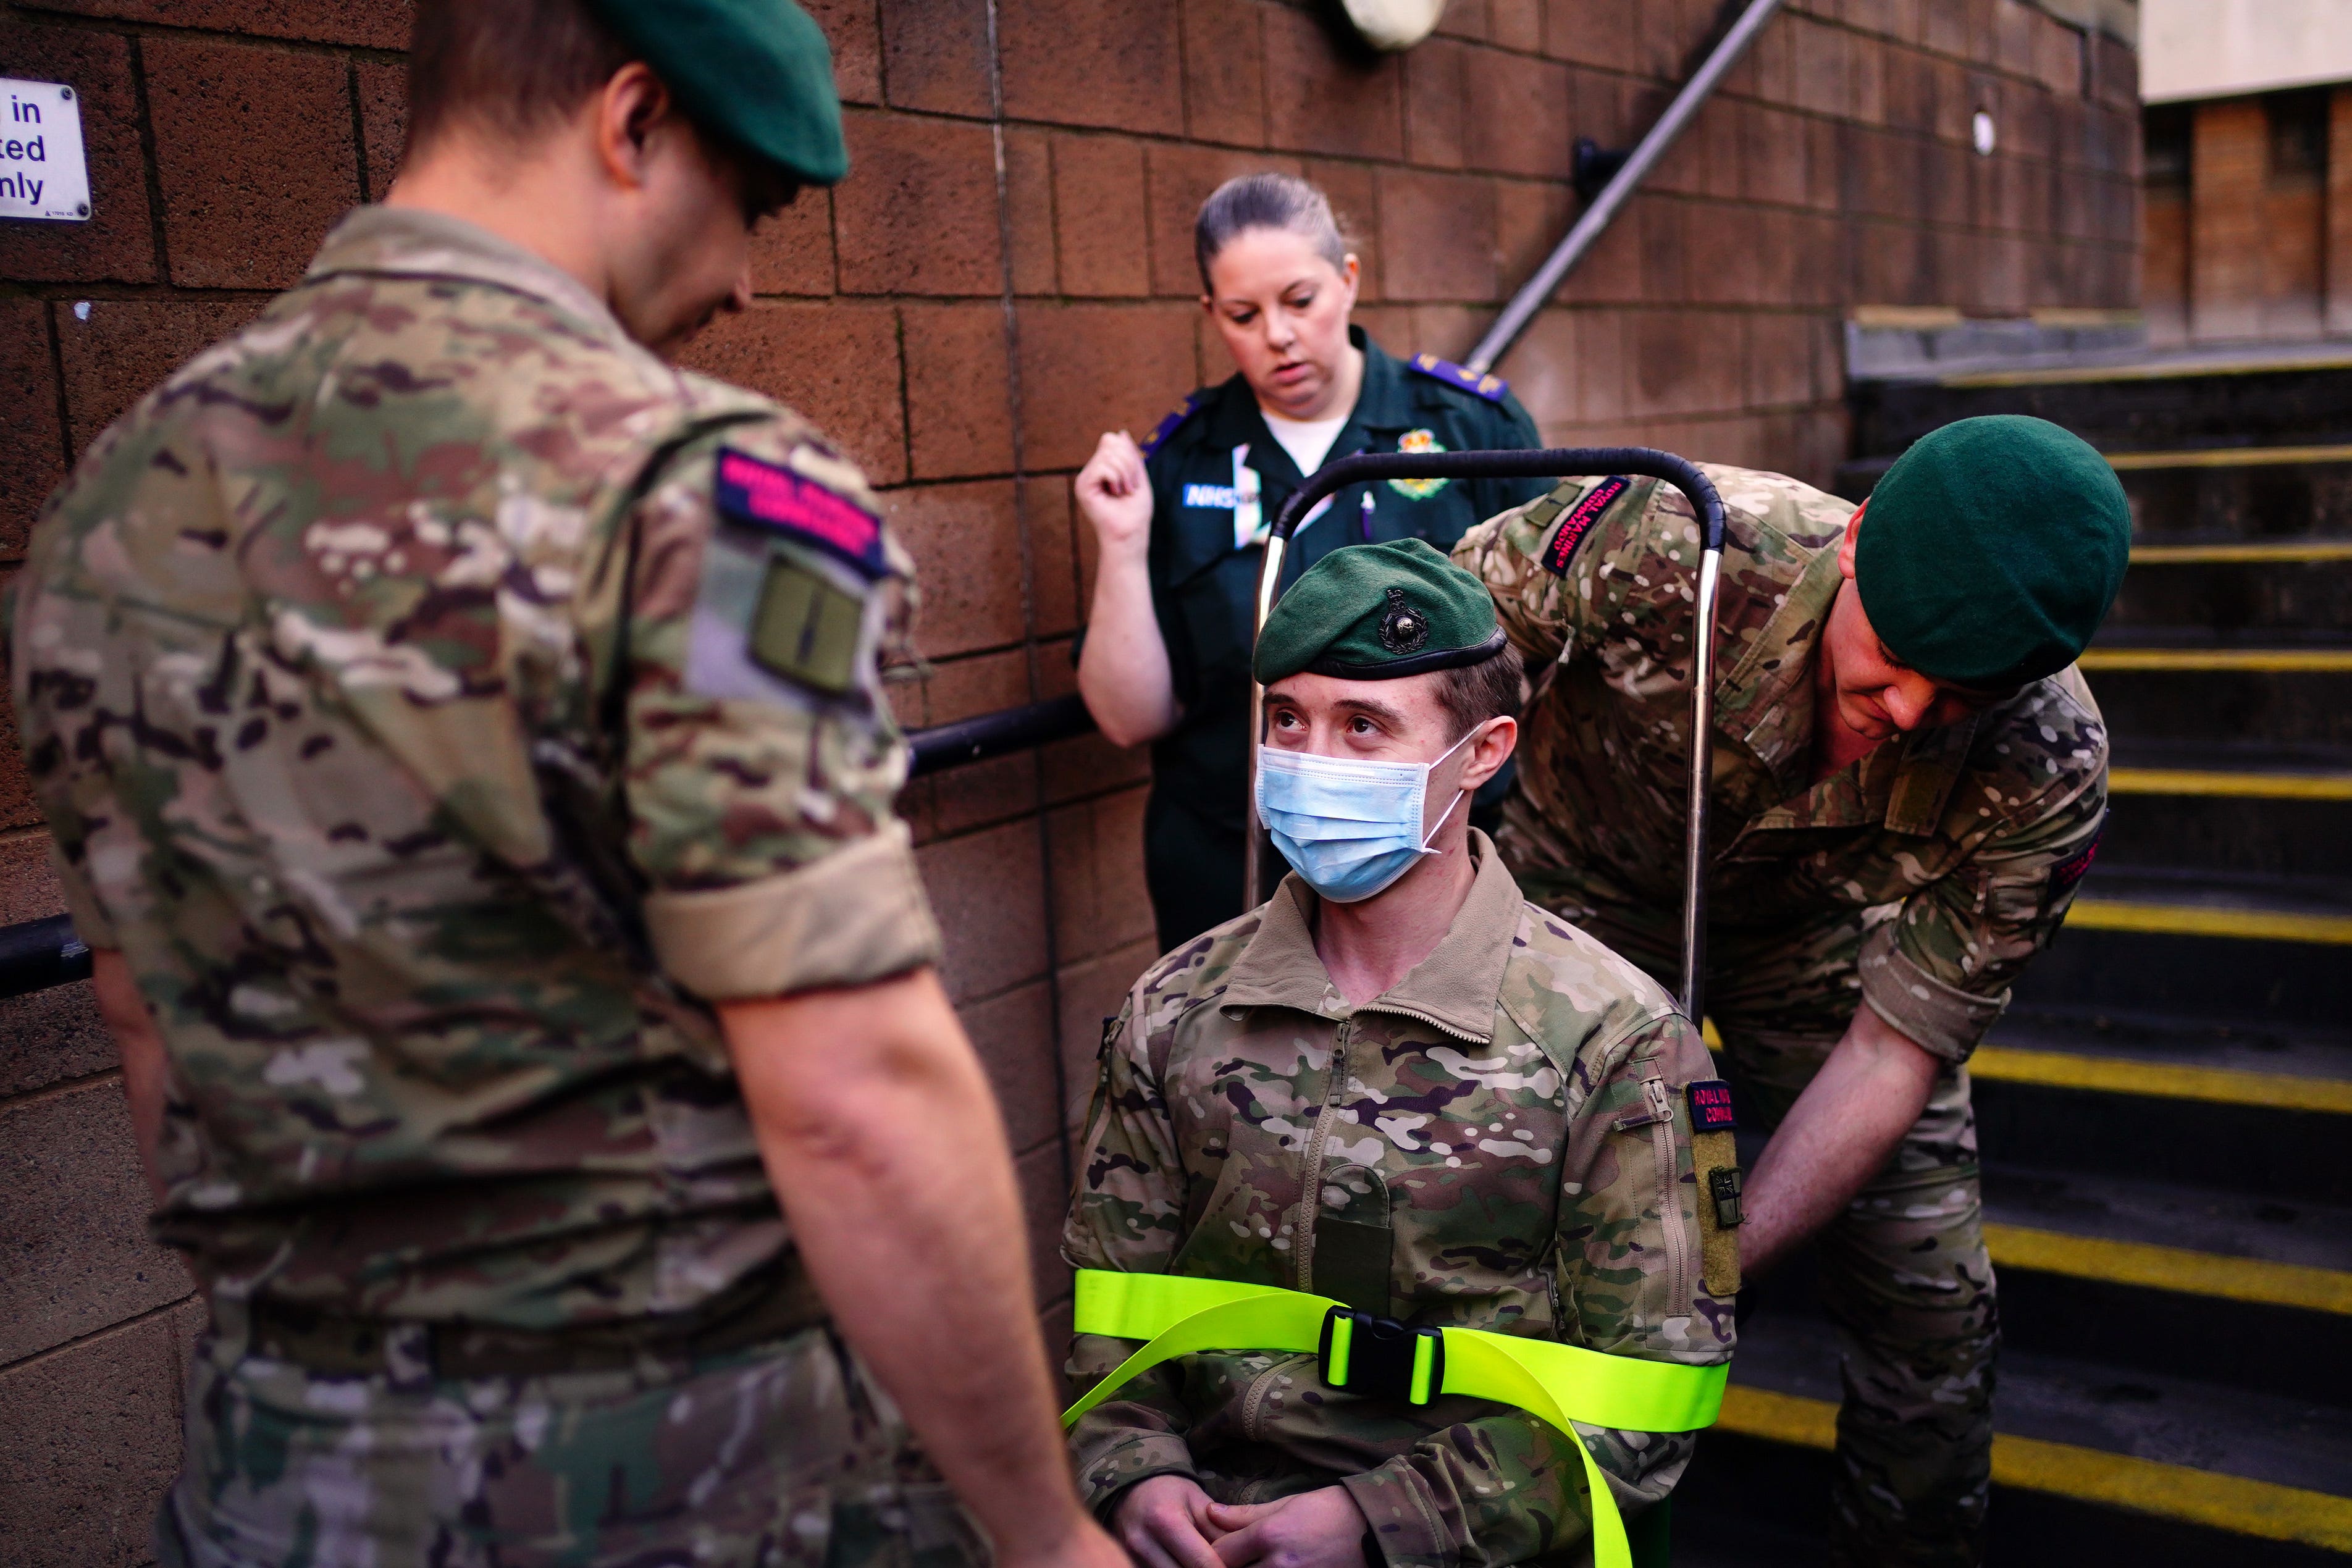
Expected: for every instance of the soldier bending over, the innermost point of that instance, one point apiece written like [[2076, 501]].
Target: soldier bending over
[[1909, 779]]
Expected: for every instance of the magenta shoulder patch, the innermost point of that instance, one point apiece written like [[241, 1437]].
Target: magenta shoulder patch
[[1710, 1106], [1580, 517], [770, 495], [2071, 869]]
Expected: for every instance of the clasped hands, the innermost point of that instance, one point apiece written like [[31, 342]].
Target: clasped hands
[[1168, 1521]]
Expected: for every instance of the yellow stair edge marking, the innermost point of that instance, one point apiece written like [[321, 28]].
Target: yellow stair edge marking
[[2161, 1080], [2175, 1268], [2060, 374], [2230, 1503], [2200, 920], [2228, 457], [2302, 660], [2194, 555], [2248, 786]]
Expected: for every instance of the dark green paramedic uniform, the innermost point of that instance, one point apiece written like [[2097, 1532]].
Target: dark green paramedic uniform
[[1203, 580]]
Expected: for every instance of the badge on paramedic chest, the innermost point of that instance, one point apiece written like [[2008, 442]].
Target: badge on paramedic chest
[[1418, 489], [1249, 514], [1242, 498]]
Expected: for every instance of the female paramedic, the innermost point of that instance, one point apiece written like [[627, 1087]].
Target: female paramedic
[[1181, 519]]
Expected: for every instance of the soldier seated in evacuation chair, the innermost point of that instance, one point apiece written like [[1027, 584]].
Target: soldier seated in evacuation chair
[[1394, 1099]]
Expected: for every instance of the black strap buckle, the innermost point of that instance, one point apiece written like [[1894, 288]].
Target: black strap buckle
[[1381, 1358]]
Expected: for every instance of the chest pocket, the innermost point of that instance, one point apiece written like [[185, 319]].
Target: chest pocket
[[1354, 1246], [1250, 1206]]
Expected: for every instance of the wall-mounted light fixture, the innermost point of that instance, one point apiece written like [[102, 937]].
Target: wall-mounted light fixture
[[1980, 133], [1393, 25]]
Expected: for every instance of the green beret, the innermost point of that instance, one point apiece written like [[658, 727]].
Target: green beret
[[1376, 612], [1992, 550], [759, 72]]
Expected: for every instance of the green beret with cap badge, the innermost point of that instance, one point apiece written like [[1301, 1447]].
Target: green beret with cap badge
[[1378, 613], [757, 72], [1990, 552]]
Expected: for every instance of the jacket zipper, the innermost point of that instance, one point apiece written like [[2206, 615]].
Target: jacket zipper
[[1310, 1187], [1302, 1242], [1670, 1199]]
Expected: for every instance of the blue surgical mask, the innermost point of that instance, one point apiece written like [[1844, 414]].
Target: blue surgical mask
[[1348, 828]]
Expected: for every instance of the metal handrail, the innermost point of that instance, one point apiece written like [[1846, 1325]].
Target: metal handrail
[[995, 734], [38, 954], [1569, 251], [1557, 462]]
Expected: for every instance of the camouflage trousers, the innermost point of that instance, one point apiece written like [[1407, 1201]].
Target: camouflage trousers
[[1902, 1273], [783, 1454]]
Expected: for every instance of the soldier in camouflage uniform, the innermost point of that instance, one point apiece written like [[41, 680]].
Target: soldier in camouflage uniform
[[462, 739], [1881, 837], [1492, 1133]]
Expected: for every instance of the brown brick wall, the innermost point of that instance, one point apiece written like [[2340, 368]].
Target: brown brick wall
[[967, 336]]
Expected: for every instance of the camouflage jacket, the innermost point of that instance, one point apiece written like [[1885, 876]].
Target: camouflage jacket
[[1500, 1141], [407, 684], [1959, 847]]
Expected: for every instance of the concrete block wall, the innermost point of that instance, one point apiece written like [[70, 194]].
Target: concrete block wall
[[1007, 272], [2249, 228]]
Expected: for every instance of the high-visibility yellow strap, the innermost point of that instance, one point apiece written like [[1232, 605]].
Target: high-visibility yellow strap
[[1605, 1390], [1144, 1306], [1596, 1389], [1236, 1317], [1557, 1384]]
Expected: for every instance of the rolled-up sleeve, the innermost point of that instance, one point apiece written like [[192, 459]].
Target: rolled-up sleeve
[[1941, 970], [762, 759]]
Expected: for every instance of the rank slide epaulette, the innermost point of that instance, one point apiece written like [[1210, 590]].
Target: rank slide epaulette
[[1494, 389], [1168, 426]]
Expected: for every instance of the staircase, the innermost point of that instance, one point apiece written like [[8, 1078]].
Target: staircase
[[2166, 1113]]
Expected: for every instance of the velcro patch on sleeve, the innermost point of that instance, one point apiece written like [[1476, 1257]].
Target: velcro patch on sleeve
[[771, 496], [806, 630], [1577, 520], [1715, 1160], [1710, 1106]]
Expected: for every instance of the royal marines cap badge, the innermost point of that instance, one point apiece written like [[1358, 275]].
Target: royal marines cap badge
[[1418, 489], [1403, 629]]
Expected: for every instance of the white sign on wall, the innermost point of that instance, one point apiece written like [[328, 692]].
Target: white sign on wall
[[42, 171]]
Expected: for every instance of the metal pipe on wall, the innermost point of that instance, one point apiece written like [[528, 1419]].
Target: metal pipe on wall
[[1588, 228]]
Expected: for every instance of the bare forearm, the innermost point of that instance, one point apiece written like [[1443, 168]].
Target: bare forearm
[[1123, 672], [1835, 1138], [141, 1046], [893, 1167]]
